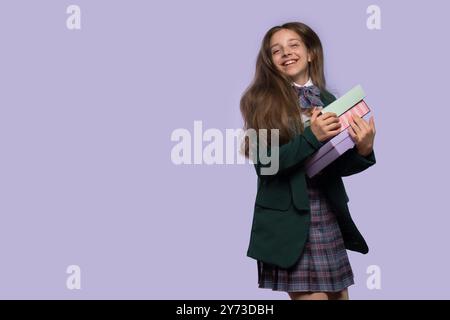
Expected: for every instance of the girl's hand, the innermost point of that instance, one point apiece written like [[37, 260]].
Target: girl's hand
[[325, 126], [362, 133]]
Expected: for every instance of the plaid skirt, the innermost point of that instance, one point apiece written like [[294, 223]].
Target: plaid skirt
[[323, 265]]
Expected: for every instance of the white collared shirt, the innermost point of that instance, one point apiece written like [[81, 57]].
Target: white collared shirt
[[307, 84]]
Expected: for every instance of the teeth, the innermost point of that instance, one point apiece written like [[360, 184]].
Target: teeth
[[289, 62]]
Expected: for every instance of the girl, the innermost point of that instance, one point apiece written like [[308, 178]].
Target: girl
[[302, 227]]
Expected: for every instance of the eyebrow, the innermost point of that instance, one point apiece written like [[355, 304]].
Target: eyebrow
[[276, 44]]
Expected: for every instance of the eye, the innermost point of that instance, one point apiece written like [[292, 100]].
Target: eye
[[294, 45], [276, 51]]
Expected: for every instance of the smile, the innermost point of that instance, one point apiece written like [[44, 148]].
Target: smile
[[288, 63]]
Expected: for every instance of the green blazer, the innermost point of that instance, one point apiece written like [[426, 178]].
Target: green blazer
[[281, 216]]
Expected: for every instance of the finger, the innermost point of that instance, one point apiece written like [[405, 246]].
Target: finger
[[362, 123], [334, 132], [351, 119], [352, 133], [315, 114], [326, 115], [355, 127], [331, 120], [333, 126], [366, 130], [372, 123]]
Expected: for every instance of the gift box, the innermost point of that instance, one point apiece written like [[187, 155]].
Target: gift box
[[352, 103]]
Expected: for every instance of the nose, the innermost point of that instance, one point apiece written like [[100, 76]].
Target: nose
[[286, 52]]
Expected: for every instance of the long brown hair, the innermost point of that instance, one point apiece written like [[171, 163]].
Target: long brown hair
[[270, 102]]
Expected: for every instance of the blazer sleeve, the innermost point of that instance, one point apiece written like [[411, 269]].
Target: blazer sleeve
[[350, 162], [292, 154]]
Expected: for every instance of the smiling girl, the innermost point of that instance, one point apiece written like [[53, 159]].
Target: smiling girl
[[302, 226]]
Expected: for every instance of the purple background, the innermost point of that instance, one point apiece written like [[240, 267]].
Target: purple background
[[85, 122]]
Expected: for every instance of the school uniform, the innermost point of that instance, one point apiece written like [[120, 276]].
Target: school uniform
[[302, 226]]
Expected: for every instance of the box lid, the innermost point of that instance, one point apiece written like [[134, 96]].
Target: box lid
[[348, 100]]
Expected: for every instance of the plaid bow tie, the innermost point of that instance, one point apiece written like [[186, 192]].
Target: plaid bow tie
[[309, 96]]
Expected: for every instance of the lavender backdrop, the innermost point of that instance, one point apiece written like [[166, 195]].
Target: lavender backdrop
[[86, 116]]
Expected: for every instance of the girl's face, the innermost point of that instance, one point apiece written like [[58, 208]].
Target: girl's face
[[290, 55]]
